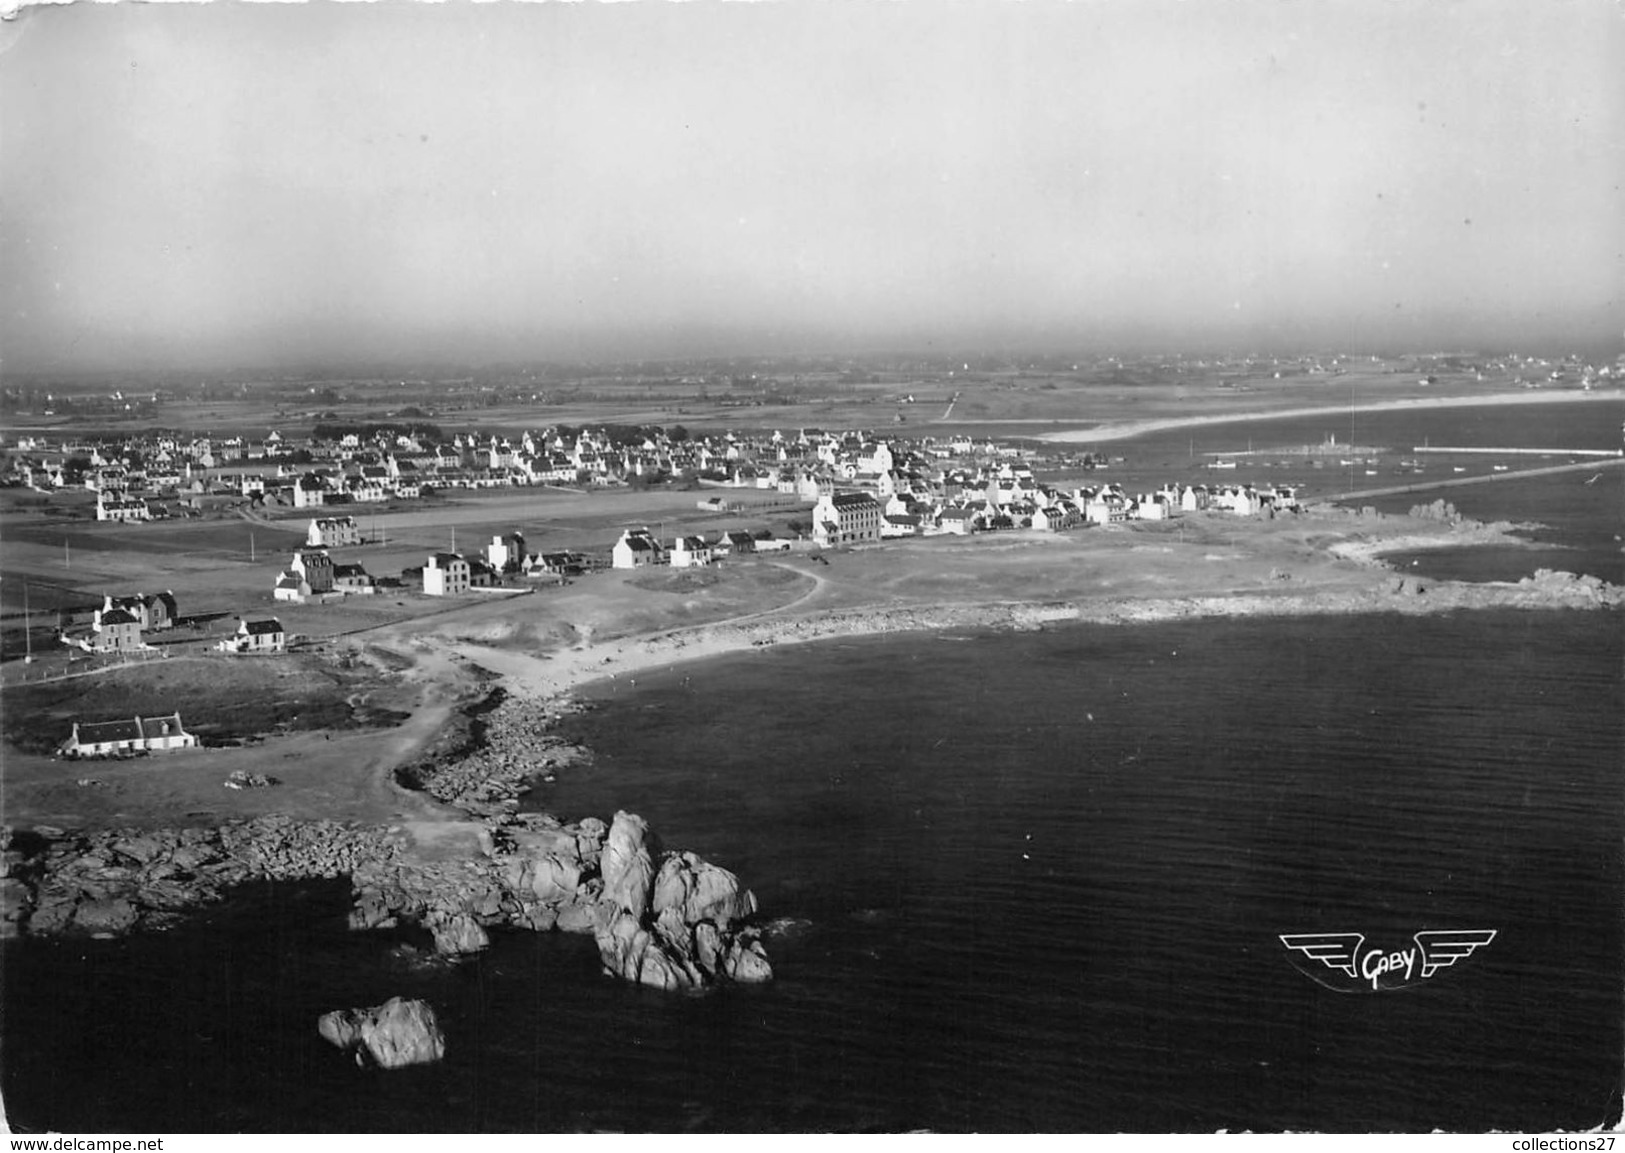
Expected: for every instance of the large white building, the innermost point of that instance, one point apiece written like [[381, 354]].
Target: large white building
[[847, 518], [446, 574]]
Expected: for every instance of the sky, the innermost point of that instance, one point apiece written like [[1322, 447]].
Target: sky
[[294, 184]]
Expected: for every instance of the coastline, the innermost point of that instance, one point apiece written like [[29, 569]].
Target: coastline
[[465, 857], [1125, 430], [558, 677]]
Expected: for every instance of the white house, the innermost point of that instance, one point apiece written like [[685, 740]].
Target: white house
[[636, 549], [446, 574], [139, 734], [308, 491], [691, 552], [265, 636], [505, 552], [120, 508], [333, 532]]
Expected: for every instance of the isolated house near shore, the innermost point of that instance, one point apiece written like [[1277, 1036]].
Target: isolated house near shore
[[263, 636], [136, 735]]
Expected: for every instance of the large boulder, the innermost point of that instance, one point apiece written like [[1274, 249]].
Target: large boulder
[[700, 891], [392, 1035], [633, 953], [626, 866], [746, 961], [553, 880], [458, 935]]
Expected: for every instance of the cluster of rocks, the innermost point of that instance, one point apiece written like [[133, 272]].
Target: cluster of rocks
[[672, 920], [512, 744], [115, 880], [675, 927], [1440, 510], [1574, 587], [668, 919]]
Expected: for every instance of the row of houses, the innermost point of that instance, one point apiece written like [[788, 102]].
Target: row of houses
[[312, 573], [121, 624]]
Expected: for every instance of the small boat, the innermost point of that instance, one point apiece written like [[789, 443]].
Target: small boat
[[1500, 468]]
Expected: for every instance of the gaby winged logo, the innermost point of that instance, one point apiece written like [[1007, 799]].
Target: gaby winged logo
[[1326, 953]]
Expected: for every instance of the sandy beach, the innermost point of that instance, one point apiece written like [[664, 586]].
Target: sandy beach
[[566, 672], [1126, 429]]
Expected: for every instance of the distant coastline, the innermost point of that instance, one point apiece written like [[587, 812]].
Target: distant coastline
[[1124, 430]]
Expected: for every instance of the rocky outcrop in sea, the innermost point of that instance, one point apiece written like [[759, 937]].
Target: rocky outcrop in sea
[[391, 1036], [675, 928], [672, 920]]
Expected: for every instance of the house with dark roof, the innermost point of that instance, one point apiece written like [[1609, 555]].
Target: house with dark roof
[[446, 574], [265, 636], [136, 735], [637, 548], [157, 611], [691, 552], [115, 630], [333, 532]]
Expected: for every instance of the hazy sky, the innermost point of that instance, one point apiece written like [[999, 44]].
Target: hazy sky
[[199, 184]]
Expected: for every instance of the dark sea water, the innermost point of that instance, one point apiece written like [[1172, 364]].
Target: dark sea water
[[1581, 526], [1036, 879]]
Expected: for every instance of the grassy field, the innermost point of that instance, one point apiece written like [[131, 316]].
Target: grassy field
[[220, 698]]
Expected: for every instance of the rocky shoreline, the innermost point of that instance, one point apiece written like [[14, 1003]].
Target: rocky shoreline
[[667, 919], [504, 741]]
